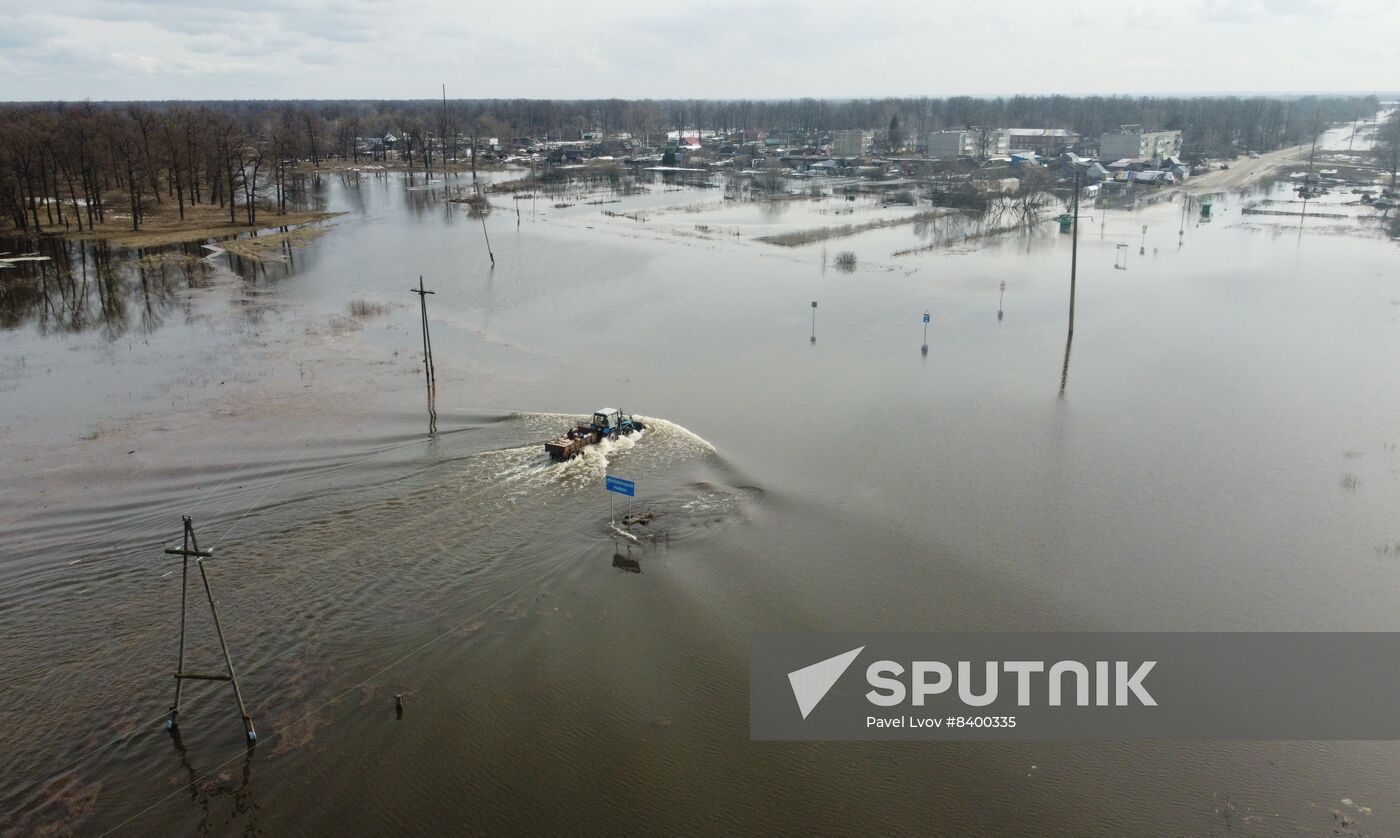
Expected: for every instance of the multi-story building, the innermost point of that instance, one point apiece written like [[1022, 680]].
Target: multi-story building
[[970, 142], [847, 143], [945, 144], [1047, 142], [1131, 142]]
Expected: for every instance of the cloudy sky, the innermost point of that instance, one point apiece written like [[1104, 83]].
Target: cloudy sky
[[262, 49]]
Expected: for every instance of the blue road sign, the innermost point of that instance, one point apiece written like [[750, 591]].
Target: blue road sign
[[622, 487], [926, 317]]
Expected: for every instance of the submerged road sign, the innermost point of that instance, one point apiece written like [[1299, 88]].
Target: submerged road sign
[[620, 486]]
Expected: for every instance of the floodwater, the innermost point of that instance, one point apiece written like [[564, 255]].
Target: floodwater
[[1220, 451]]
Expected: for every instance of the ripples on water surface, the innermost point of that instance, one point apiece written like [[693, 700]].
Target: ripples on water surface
[[1223, 457]]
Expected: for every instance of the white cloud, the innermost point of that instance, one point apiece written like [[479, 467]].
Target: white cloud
[[157, 49]]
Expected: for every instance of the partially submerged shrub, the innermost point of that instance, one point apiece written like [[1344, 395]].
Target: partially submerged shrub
[[360, 307], [846, 261]]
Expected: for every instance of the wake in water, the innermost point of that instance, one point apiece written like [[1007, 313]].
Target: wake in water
[[672, 465], [392, 542]]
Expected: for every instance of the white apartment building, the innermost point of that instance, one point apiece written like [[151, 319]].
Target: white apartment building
[[1132, 142]]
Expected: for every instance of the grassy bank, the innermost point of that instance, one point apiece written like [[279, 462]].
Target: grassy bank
[[162, 225], [817, 234]]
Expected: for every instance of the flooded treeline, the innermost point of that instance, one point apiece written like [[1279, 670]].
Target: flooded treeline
[[70, 166], [84, 285], [74, 168], [1209, 125], [611, 177]]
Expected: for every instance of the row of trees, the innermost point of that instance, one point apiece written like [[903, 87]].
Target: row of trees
[[1258, 122], [62, 165], [70, 166]]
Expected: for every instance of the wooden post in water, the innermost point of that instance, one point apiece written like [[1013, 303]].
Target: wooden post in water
[[814, 321], [190, 550], [484, 234], [1073, 275], [444, 137], [429, 373], [1074, 252]]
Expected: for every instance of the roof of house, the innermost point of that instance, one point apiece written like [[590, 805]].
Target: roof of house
[[1041, 132]]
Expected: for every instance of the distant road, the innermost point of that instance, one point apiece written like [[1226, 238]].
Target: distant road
[[1245, 171]]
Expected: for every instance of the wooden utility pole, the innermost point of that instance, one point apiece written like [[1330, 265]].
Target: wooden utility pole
[[487, 236], [1074, 251], [191, 550], [444, 131], [429, 374], [1073, 271]]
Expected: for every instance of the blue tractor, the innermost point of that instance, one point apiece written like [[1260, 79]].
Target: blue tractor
[[608, 423]]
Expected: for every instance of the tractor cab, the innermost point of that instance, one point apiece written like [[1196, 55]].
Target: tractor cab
[[607, 420]]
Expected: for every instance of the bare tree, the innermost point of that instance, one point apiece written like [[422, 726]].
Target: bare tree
[[1388, 146], [173, 140], [984, 141]]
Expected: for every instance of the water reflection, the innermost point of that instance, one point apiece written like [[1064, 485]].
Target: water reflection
[[90, 285], [773, 209], [625, 562], [1064, 371], [208, 789]]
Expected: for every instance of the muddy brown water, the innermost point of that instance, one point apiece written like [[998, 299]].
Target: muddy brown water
[[1224, 456]]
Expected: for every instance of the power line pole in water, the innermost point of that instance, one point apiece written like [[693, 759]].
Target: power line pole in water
[[814, 321], [1073, 276], [1074, 253], [429, 374], [487, 236], [190, 550]]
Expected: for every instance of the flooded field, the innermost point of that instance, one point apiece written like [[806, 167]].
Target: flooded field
[[1219, 449]]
